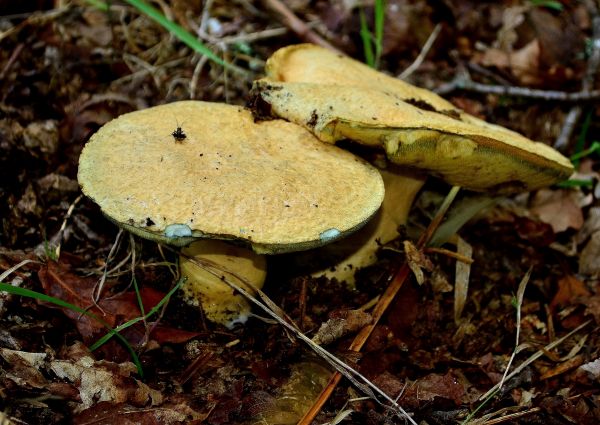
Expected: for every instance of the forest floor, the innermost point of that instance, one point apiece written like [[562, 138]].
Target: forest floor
[[67, 68]]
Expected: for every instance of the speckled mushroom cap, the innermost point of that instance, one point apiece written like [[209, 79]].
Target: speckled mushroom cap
[[271, 184], [337, 97]]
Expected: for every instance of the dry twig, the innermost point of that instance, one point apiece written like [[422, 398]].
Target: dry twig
[[421, 57], [295, 24], [587, 84], [462, 81]]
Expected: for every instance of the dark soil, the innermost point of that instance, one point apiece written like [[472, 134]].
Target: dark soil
[[67, 70]]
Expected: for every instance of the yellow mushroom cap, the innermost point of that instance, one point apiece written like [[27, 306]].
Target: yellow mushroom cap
[[271, 184], [339, 98]]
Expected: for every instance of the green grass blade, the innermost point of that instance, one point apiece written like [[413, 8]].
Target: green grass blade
[[379, 24], [99, 4], [367, 40], [115, 332], [594, 148], [132, 322], [550, 4], [567, 184], [138, 295], [23, 292], [178, 31]]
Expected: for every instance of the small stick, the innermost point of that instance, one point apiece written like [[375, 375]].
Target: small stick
[[586, 86], [290, 20], [64, 226], [11, 60], [450, 254], [463, 82], [397, 281], [421, 57], [512, 416], [302, 305]]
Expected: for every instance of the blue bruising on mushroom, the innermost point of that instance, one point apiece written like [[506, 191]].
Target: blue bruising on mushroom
[[178, 231], [329, 235]]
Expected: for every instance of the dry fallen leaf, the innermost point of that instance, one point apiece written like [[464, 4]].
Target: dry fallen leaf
[[105, 413], [559, 208], [522, 63], [589, 259], [105, 381], [415, 394], [569, 288], [336, 327], [417, 261]]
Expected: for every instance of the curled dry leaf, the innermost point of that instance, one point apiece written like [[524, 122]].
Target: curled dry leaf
[[415, 394], [591, 225], [559, 208], [105, 381], [347, 322], [569, 288], [589, 259], [417, 261], [105, 413], [23, 368], [592, 369]]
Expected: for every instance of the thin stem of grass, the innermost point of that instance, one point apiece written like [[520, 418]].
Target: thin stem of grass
[[178, 31], [586, 152], [379, 23], [367, 38], [132, 322], [15, 290], [373, 40]]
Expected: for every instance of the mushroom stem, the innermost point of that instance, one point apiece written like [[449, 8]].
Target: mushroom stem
[[360, 249], [206, 288]]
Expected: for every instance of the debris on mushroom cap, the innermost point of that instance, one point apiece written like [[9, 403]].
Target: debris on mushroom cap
[[337, 98], [271, 184], [206, 263]]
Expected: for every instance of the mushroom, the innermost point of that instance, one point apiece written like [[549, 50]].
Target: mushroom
[[269, 186], [204, 288], [338, 98]]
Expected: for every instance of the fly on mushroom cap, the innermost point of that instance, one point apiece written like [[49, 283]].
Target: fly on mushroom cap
[[270, 184], [338, 98]]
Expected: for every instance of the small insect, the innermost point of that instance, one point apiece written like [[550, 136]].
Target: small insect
[[179, 135]]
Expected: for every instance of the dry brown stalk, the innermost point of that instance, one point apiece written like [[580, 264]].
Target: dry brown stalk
[[295, 24]]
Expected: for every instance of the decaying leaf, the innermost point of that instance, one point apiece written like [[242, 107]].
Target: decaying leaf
[[567, 203], [417, 261], [24, 368], [105, 413], [347, 322], [105, 381], [569, 288], [589, 259], [592, 369], [416, 394]]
